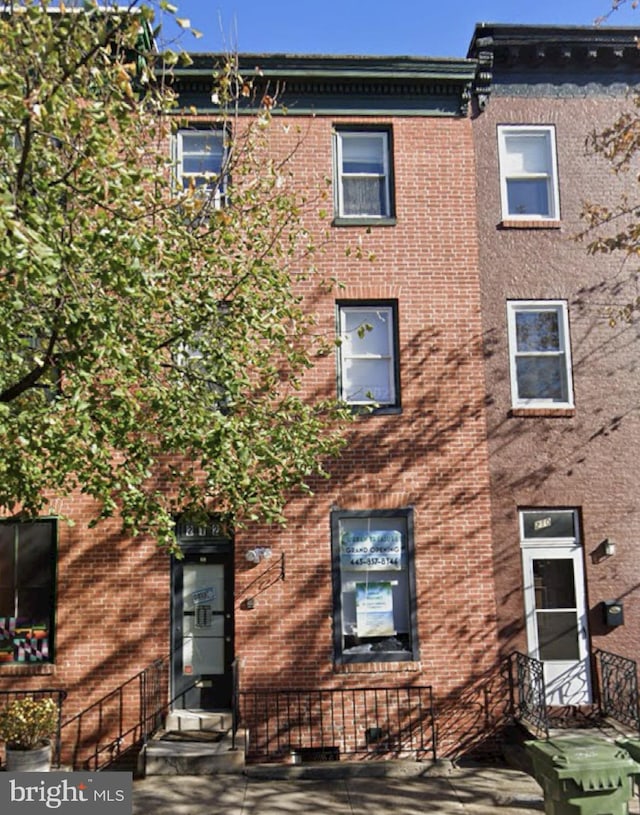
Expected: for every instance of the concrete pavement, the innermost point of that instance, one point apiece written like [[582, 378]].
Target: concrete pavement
[[408, 790]]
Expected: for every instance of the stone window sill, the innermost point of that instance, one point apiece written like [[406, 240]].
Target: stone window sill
[[341, 221], [534, 223], [26, 669], [538, 412], [377, 667]]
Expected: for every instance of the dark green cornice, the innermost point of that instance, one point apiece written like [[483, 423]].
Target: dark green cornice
[[341, 84], [553, 55]]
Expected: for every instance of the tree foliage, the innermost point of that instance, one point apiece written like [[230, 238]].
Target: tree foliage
[[615, 227], [153, 343]]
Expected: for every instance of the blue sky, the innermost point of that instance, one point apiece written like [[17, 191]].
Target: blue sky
[[439, 28]]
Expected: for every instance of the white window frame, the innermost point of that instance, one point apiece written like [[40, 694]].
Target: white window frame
[[390, 310], [218, 179], [559, 307], [383, 137], [547, 133]]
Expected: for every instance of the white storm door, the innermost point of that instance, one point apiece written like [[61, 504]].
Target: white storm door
[[556, 618]]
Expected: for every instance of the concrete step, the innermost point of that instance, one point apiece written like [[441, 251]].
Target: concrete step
[[193, 752], [217, 720]]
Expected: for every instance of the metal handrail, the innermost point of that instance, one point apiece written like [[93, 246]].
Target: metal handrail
[[111, 716], [528, 692], [235, 701], [618, 683], [57, 694]]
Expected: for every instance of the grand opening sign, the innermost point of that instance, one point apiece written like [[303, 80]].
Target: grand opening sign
[[373, 550]]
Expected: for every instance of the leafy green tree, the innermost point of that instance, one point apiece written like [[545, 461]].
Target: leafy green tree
[[153, 342], [613, 227]]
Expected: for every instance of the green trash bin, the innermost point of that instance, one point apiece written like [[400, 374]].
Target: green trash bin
[[583, 776], [632, 746]]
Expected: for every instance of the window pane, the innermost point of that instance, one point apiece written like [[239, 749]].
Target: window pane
[[26, 606], [374, 581], [557, 635], [364, 196], [201, 165], [553, 524], [201, 155], [542, 378], [528, 196], [34, 566], [363, 154], [527, 153], [366, 332], [553, 582], [368, 380], [537, 331]]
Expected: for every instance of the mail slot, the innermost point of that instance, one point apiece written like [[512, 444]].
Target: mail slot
[[203, 616], [613, 613]]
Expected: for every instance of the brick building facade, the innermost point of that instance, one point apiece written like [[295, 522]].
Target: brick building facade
[[563, 429], [383, 578]]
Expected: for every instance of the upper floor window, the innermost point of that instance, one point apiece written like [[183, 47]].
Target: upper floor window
[[200, 156], [27, 583], [368, 354], [528, 172], [363, 174], [539, 352]]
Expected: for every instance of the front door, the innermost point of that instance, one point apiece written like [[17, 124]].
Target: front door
[[555, 604], [202, 624]]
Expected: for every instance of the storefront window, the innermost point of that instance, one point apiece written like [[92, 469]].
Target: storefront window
[[27, 575], [374, 597]]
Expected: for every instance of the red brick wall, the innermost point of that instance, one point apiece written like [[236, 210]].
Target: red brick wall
[[113, 594]]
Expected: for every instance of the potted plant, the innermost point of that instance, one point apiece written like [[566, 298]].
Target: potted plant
[[27, 726]]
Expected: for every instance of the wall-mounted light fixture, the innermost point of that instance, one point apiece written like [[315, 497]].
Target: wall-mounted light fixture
[[608, 547], [258, 554]]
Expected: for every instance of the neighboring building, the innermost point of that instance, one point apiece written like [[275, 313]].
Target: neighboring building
[[562, 406], [382, 580]]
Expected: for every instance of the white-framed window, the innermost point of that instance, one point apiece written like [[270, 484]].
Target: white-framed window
[[363, 174], [374, 593], [368, 353], [539, 351], [200, 157], [528, 172]]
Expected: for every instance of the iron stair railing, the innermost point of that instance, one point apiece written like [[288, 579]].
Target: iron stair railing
[[119, 721], [618, 685], [528, 693]]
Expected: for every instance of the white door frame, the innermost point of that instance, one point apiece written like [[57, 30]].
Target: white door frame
[[567, 681]]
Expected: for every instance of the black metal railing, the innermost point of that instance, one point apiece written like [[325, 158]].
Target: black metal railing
[[528, 694], [58, 696], [235, 701], [618, 684], [331, 723], [121, 720]]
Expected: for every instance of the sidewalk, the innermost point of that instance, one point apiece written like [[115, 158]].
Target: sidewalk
[[477, 790]]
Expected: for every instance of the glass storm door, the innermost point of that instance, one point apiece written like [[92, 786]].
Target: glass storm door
[[557, 621], [202, 632]]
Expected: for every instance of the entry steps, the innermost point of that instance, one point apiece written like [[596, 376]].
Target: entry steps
[[194, 742]]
